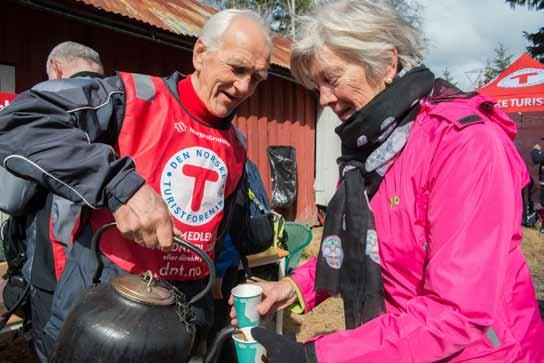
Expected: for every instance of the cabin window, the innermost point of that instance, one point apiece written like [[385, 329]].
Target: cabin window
[[7, 78]]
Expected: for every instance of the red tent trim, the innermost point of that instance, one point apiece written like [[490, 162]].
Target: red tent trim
[[520, 87]]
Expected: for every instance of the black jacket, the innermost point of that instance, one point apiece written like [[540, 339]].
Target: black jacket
[[60, 134], [537, 156]]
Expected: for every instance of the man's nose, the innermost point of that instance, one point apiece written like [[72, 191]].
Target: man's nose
[[243, 85]]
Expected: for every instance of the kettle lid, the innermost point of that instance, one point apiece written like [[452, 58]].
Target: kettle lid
[[143, 289]]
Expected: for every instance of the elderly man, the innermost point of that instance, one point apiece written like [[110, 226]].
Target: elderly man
[[158, 156], [48, 237], [71, 59]]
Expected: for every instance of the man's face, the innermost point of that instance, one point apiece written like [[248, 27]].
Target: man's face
[[225, 77]]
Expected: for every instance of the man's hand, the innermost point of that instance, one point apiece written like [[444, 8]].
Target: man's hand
[[145, 220], [277, 295]]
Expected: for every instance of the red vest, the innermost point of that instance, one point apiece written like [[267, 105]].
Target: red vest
[[193, 167]]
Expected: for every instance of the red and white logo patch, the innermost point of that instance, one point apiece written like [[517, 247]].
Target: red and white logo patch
[[193, 185], [523, 78]]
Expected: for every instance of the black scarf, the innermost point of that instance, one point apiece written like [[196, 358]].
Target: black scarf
[[348, 259]]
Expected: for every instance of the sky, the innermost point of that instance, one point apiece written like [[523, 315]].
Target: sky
[[463, 33]]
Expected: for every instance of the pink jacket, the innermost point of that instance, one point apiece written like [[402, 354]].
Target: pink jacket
[[448, 216]]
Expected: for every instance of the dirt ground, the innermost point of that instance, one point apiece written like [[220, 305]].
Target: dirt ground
[[327, 317]]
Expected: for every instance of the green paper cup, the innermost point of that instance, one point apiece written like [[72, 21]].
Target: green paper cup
[[246, 299], [248, 351]]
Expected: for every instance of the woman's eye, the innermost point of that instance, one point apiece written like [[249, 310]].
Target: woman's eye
[[332, 80]]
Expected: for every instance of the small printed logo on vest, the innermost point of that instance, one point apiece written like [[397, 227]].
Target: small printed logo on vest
[[332, 251], [394, 201], [180, 127]]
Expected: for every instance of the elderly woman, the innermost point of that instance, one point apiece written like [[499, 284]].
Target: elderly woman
[[422, 238]]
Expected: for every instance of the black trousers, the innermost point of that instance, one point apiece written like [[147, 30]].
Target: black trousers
[[40, 305]]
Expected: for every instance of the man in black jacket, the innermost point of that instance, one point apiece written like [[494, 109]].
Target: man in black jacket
[[71, 59], [44, 233], [537, 156]]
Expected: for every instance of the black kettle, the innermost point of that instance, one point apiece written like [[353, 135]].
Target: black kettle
[[133, 319]]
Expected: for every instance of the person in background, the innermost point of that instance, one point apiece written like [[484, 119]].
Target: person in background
[[529, 216], [422, 238], [71, 59], [48, 219], [159, 156], [537, 157]]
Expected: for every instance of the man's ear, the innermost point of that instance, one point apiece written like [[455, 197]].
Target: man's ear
[[199, 51], [56, 68]]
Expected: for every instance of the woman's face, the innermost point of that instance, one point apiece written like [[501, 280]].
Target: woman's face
[[343, 85]]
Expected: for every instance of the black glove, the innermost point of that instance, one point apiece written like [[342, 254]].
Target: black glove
[[280, 349]]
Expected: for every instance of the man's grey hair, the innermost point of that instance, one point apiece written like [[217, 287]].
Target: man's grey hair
[[217, 24], [71, 51], [361, 31]]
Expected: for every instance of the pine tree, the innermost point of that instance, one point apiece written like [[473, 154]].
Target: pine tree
[[282, 13], [493, 68], [536, 50], [446, 75], [502, 60]]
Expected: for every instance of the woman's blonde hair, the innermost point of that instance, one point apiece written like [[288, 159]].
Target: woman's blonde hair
[[362, 31]]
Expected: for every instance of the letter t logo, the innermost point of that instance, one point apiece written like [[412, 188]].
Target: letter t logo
[[201, 176]]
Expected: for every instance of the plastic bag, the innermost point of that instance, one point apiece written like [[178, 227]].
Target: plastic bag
[[283, 171]]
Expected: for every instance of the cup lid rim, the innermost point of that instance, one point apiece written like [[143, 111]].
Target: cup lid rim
[[233, 291]]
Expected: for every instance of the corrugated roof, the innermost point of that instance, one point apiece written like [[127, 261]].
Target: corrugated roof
[[186, 17]]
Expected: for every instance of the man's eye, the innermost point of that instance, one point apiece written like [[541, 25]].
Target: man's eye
[[238, 70], [257, 77]]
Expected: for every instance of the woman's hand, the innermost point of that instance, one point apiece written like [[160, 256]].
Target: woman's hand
[[276, 295]]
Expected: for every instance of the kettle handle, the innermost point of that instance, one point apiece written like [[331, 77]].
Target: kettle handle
[[95, 247], [213, 354]]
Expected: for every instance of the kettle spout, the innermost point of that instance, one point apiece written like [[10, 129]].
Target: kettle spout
[[213, 353]]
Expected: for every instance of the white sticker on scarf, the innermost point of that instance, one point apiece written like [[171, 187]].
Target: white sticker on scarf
[[372, 249], [332, 251], [361, 140]]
